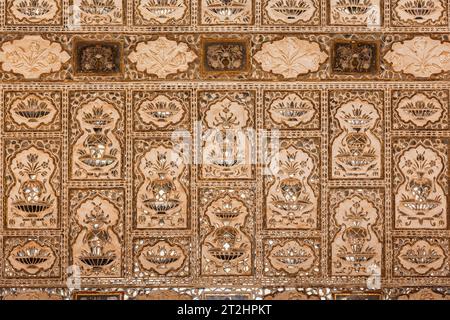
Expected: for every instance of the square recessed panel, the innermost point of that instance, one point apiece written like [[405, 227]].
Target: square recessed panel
[[355, 57], [224, 56], [97, 58]]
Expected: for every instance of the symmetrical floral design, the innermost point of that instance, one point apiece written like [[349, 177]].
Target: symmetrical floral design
[[161, 184], [420, 110], [424, 109], [292, 109], [421, 56], [162, 110], [290, 11], [31, 258], [224, 55], [355, 12], [34, 12], [356, 148], [420, 196], [32, 56], [97, 135], [97, 12], [96, 231], [161, 12], [32, 184], [36, 111], [226, 150], [292, 189], [356, 241], [162, 257], [421, 257], [162, 57], [419, 12], [226, 12], [292, 257], [290, 57], [226, 228]]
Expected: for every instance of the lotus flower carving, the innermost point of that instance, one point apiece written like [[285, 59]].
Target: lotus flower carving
[[421, 56], [419, 11], [162, 57], [421, 256], [291, 57], [420, 110]]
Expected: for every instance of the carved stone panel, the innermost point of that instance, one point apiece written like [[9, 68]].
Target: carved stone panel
[[32, 183], [97, 231], [226, 223]]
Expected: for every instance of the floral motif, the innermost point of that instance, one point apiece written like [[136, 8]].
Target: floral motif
[[34, 11], [355, 12], [162, 257], [96, 125], [291, 201], [421, 56], [31, 257], [224, 55], [420, 201], [420, 110], [220, 12], [32, 56], [424, 294], [162, 196], [419, 11], [421, 257], [291, 11], [162, 57], [355, 57], [356, 151], [162, 11], [97, 12], [292, 257], [226, 221], [292, 110], [96, 232], [33, 199], [97, 57], [291, 57], [161, 111], [356, 247], [33, 110], [226, 150]]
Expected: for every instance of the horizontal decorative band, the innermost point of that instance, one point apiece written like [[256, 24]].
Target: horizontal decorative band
[[63, 57]]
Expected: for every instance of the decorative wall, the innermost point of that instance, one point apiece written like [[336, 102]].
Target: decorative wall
[[243, 149]]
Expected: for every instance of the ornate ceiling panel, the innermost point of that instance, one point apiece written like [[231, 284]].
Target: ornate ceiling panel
[[209, 149]]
